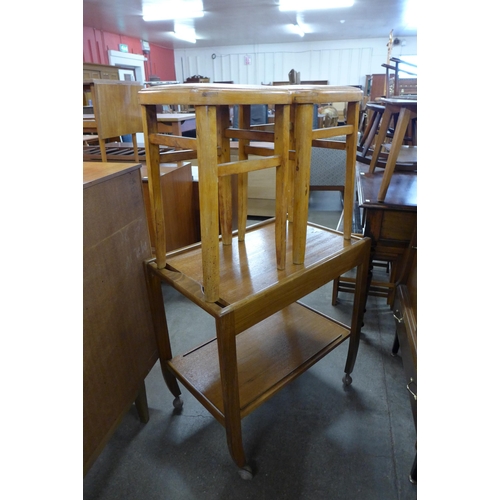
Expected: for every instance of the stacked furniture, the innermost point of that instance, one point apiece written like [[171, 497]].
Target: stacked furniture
[[250, 281]]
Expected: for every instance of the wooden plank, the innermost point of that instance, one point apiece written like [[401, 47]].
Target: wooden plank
[[237, 167]]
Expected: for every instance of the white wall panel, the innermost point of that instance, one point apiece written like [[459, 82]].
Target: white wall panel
[[343, 62]]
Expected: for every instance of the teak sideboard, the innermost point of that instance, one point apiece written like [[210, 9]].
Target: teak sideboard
[[119, 344]]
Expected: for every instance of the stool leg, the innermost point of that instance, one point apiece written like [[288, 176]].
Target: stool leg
[[382, 132], [244, 123], [225, 183], [209, 210], [397, 141], [281, 148], [303, 143]]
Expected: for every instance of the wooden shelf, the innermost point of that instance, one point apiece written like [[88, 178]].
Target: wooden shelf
[[270, 355], [249, 268]]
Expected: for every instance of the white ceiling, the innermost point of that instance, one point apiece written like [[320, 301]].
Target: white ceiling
[[248, 22]]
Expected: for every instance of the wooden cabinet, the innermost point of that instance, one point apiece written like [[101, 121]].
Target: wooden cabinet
[[101, 71], [96, 71], [405, 314], [180, 205], [389, 225], [119, 344], [375, 86]]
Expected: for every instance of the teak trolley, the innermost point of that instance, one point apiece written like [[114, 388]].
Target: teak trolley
[[250, 281]]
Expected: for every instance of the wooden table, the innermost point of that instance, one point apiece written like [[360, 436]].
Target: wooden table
[[407, 110], [176, 123], [119, 344], [390, 226], [172, 123]]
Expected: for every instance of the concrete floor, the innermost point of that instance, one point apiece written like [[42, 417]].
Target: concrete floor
[[314, 440]]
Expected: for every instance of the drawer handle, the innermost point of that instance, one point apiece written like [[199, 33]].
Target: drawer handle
[[399, 320], [409, 390]]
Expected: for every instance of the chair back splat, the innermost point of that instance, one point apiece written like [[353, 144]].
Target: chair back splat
[[117, 112]]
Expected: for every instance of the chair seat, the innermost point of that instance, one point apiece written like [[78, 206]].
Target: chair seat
[[118, 152]]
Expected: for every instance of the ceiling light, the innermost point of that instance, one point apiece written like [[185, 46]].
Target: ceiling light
[[186, 36], [164, 10], [411, 15], [184, 31], [296, 28], [313, 4]]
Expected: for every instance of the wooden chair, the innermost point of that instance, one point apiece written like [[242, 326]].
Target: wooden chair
[[117, 113], [251, 280]]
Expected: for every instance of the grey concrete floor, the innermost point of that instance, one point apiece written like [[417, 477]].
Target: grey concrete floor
[[315, 439]]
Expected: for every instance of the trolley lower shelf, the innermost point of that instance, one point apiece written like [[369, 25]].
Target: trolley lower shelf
[[270, 355]]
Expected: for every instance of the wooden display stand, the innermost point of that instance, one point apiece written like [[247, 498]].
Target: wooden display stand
[[251, 281]]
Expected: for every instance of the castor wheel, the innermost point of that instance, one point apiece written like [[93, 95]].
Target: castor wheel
[[178, 403], [347, 379], [246, 473]]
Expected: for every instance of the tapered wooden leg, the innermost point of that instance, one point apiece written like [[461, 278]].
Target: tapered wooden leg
[[303, 138], [225, 182], [244, 123], [395, 345], [335, 291], [281, 148], [413, 473], [206, 121], [141, 404], [381, 135], [226, 342], [360, 295], [161, 332], [397, 141]]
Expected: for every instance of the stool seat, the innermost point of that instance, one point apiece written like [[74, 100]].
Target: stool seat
[[407, 110]]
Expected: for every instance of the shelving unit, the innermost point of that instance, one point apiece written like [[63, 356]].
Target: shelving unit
[[251, 280]]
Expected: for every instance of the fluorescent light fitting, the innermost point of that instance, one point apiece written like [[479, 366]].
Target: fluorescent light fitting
[[296, 28], [172, 9], [188, 35], [299, 5], [410, 15]]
